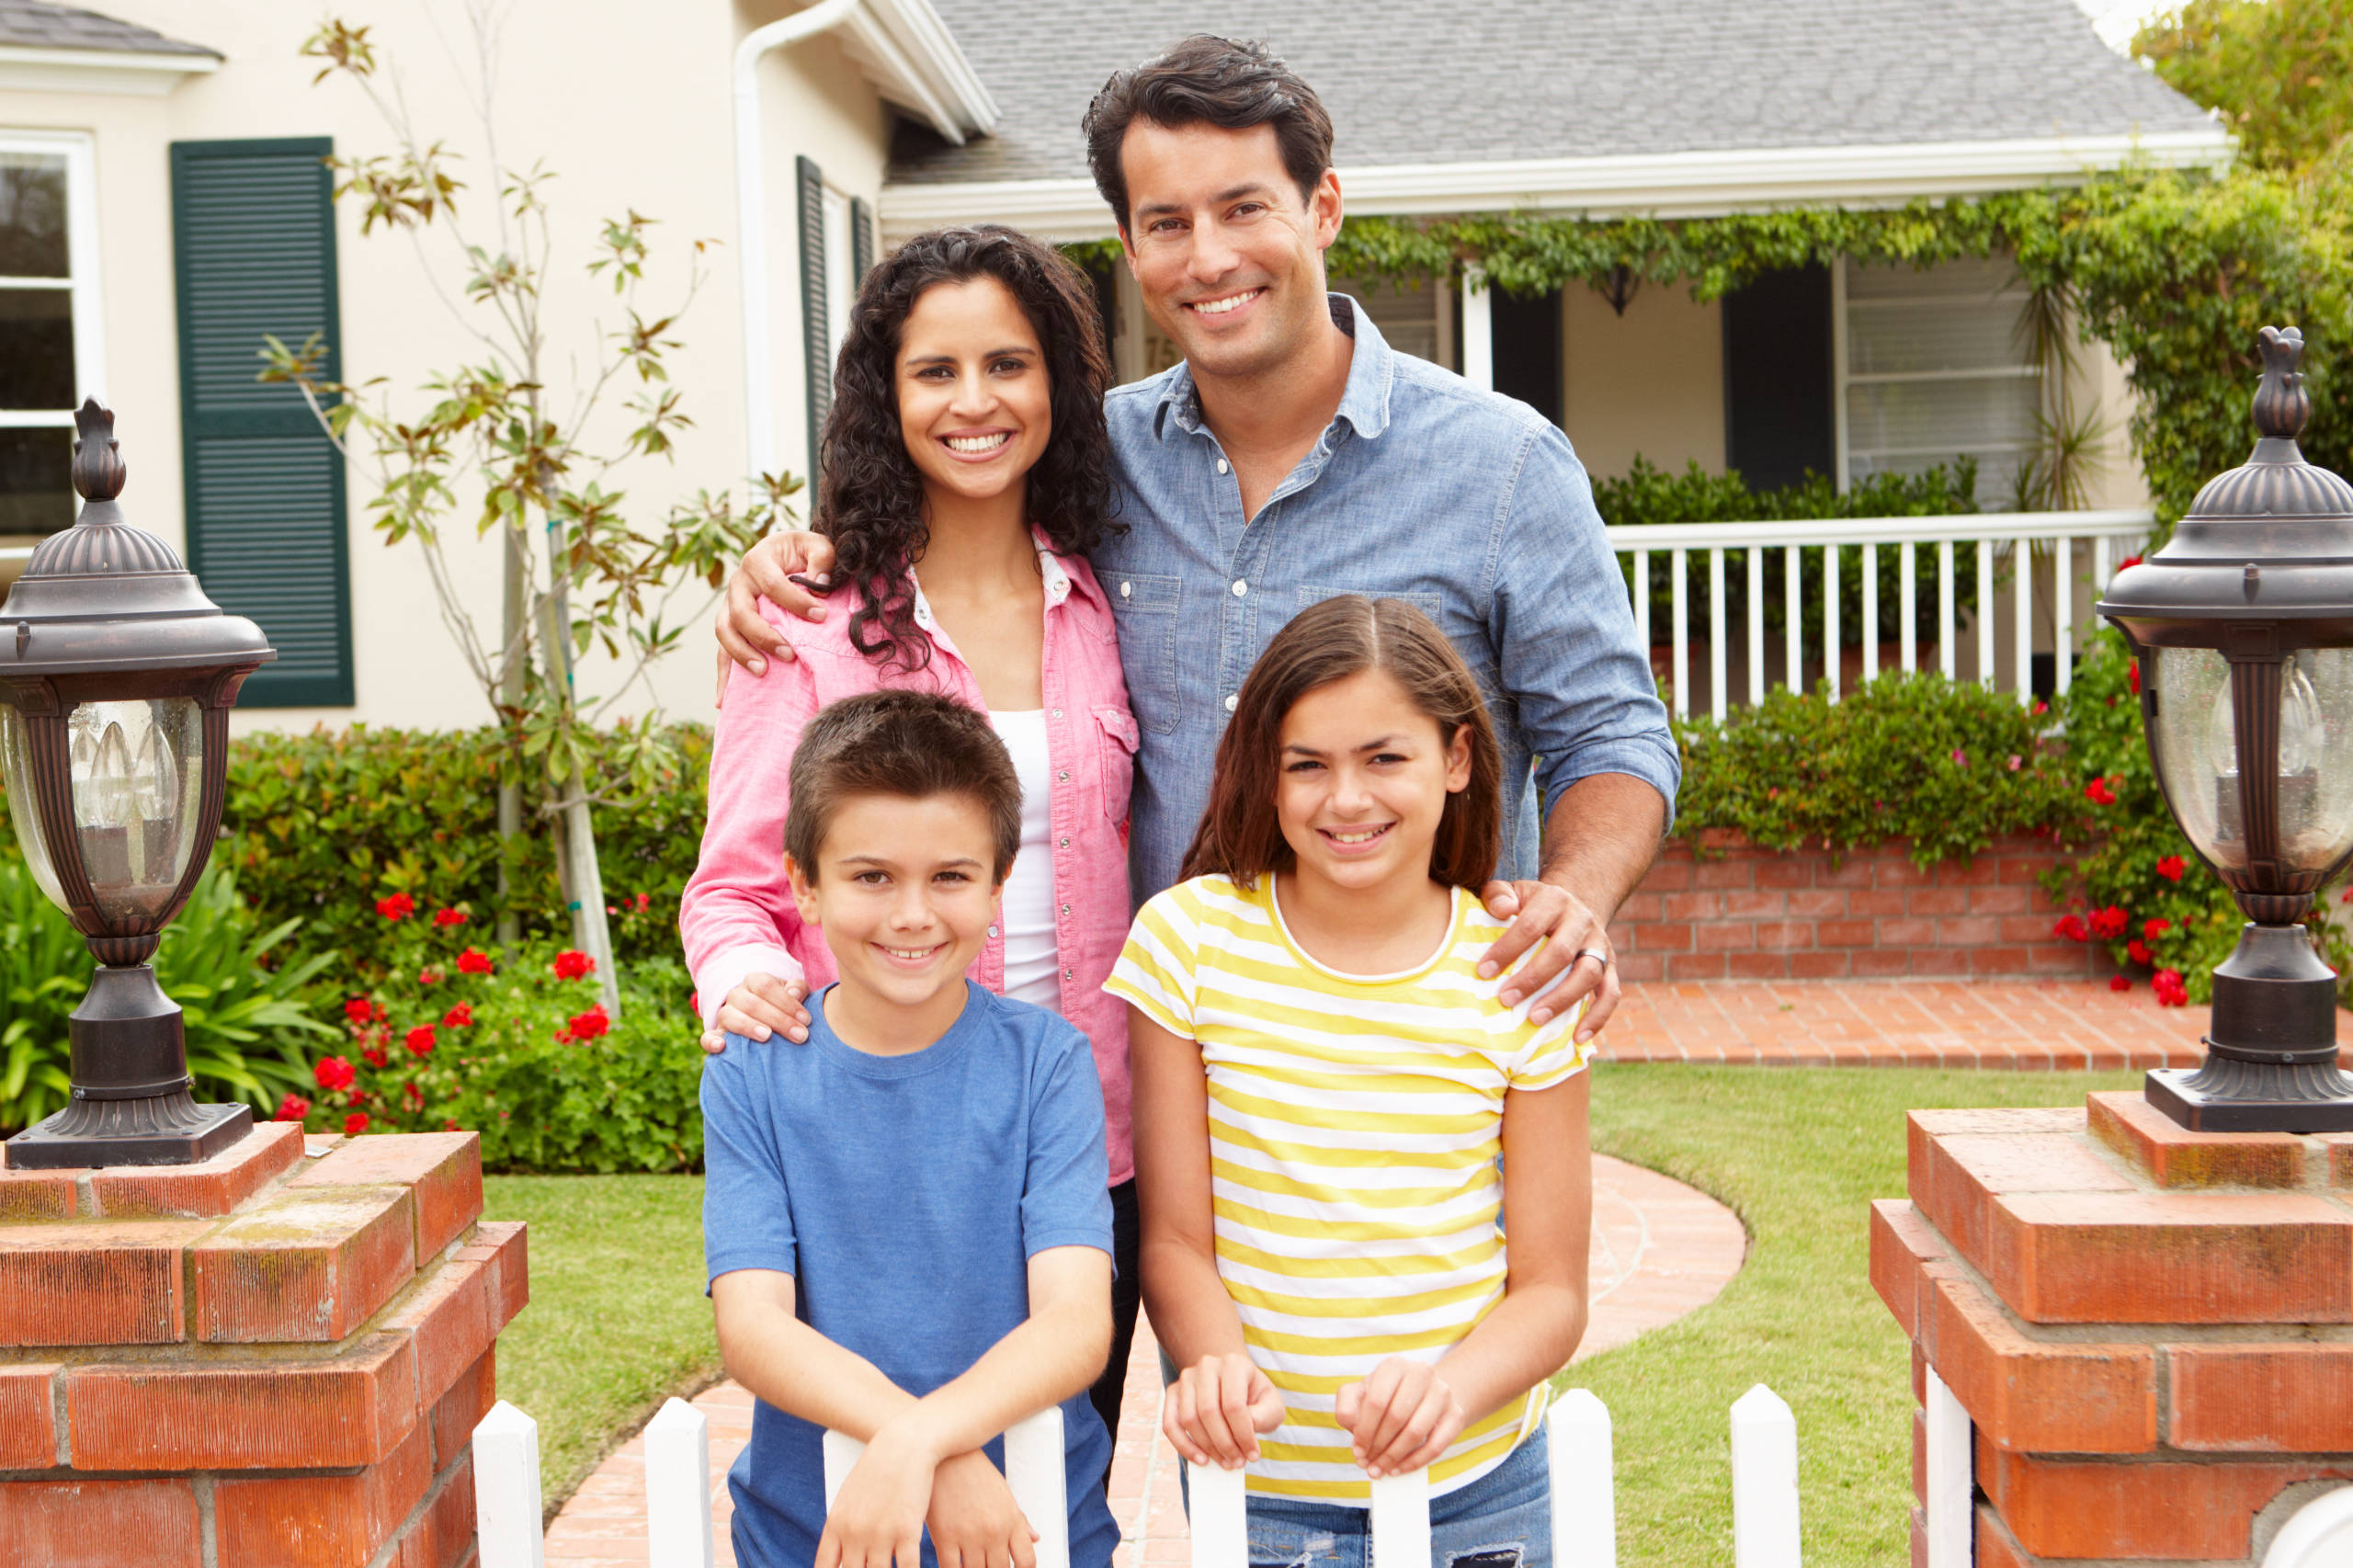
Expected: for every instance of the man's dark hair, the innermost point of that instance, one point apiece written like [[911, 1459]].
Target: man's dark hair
[[1213, 80], [909, 743]]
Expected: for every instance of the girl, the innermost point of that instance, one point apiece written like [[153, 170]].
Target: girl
[[966, 475], [1323, 1086]]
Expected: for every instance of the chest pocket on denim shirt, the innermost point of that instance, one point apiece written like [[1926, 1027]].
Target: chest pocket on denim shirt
[[1116, 740], [1144, 606]]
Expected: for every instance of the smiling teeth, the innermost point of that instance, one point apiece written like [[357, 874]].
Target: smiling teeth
[[1362, 836], [977, 443], [910, 952], [1219, 307]]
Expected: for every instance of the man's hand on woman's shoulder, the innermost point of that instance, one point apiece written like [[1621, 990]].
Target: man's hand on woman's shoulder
[[763, 1006], [744, 636]]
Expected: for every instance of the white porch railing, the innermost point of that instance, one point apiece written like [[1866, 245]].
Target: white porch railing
[[2084, 548]]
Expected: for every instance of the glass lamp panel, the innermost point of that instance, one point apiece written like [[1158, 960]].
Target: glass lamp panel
[[138, 768], [17, 773], [2316, 758], [2195, 754]]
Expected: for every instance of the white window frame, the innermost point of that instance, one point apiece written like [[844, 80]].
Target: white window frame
[[841, 269], [1843, 379], [82, 271]]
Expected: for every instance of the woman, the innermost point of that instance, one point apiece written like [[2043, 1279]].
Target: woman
[[966, 475]]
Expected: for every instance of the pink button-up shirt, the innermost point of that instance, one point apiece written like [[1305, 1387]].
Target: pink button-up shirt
[[738, 917]]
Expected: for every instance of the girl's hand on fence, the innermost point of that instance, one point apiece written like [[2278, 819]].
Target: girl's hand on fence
[[1401, 1417], [974, 1521], [765, 1005], [877, 1520], [1215, 1411]]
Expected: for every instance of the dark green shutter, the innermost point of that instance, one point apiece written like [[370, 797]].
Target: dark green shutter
[[252, 227], [814, 348], [1780, 419], [861, 239]]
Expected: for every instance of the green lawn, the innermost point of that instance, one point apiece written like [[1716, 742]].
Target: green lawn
[[617, 1318]]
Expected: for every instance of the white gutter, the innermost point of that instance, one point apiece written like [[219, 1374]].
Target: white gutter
[[134, 72], [1663, 185], [751, 215]]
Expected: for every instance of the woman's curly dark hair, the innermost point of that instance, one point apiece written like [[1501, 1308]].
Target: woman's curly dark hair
[[869, 499]]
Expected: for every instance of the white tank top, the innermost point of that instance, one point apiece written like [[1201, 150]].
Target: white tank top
[[1031, 961]]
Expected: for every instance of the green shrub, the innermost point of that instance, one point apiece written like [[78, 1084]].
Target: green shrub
[[516, 1048], [245, 1001], [1948, 765]]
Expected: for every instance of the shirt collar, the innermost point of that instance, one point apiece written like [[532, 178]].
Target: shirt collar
[[1050, 572], [1364, 401]]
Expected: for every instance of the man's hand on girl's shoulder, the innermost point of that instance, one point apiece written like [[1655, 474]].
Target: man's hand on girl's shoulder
[[763, 1006], [1216, 1409], [1576, 953]]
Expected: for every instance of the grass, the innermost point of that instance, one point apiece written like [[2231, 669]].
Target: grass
[[618, 1320]]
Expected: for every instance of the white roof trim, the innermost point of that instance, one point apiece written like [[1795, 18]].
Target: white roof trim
[[126, 72], [1663, 185], [905, 48]]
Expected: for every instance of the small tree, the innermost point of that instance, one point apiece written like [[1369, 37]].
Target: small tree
[[577, 573]]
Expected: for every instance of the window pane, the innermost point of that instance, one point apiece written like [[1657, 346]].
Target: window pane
[[36, 480], [1406, 313], [32, 215], [36, 348], [1977, 277], [1948, 336], [1938, 418]]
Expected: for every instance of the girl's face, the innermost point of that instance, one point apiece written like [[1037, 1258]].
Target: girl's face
[[1361, 780], [975, 410]]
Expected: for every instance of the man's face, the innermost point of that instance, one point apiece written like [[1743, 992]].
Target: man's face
[[1228, 258]]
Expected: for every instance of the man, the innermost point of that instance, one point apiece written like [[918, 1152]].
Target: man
[[1291, 456]]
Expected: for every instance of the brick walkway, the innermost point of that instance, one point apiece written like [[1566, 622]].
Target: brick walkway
[[1920, 1023], [1660, 1249]]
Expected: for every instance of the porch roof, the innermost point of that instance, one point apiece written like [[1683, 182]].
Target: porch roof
[[35, 25], [1582, 104]]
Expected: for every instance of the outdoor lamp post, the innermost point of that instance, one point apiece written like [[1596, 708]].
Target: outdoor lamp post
[[117, 675], [2244, 625]]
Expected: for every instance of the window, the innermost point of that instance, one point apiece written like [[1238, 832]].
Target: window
[[1932, 367], [50, 354], [836, 247]]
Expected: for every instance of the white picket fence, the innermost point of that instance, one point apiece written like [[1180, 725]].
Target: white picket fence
[[1584, 1521], [2078, 545]]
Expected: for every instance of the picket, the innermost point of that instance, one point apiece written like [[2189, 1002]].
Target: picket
[[1763, 1481], [677, 1487], [1585, 1505], [1034, 1471], [506, 1489]]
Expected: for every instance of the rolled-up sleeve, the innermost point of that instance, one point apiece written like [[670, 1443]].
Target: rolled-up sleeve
[[1564, 631]]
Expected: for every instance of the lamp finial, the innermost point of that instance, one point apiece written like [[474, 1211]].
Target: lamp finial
[[2281, 404], [98, 469]]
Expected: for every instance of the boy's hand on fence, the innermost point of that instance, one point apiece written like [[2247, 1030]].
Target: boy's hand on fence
[[974, 1521], [1216, 1409], [763, 1006], [1401, 1417], [877, 1520]]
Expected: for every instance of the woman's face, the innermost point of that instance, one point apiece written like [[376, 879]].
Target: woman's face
[[974, 406]]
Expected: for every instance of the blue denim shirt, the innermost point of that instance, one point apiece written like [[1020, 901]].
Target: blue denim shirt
[[1466, 504]]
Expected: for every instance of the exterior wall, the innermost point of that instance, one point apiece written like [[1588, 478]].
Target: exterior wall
[[646, 126], [1650, 383]]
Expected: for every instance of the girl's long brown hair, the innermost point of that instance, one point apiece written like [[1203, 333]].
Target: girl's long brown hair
[[1240, 835]]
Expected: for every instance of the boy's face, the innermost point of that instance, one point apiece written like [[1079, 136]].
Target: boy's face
[[905, 893]]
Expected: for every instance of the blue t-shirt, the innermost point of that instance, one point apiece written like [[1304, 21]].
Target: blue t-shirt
[[906, 1195]]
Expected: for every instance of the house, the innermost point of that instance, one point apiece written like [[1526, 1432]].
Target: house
[[164, 205]]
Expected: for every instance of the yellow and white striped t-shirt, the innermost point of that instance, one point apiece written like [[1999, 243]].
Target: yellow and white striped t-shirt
[[1355, 1125]]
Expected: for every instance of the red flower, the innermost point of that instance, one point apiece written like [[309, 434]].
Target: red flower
[[2171, 992], [429, 975], [2072, 927], [574, 964], [378, 1013], [2109, 924], [2154, 927], [2128, 560], [2117, 982], [359, 1010], [590, 1024], [2099, 793], [374, 1056], [293, 1107], [355, 1124], [400, 906], [449, 1124], [474, 960], [2041, 706], [448, 918], [694, 998], [2138, 950], [334, 1074], [2172, 867], [645, 901], [419, 1040], [2133, 675], [413, 1095], [459, 1017]]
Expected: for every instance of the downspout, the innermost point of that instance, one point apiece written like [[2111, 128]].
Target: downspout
[[751, 215]]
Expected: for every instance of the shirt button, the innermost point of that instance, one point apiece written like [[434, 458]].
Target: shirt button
[[1127, 590], [1220, 465], [1068, 974], [992, 930], [1058, 713], [1065, 909], [1064, 777], [1231, 697], [1065, 842], [1240, 588]]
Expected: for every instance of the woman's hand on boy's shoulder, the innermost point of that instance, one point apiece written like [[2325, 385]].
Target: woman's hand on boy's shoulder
[[1216, 1409], [974, 1521], [762, 1006]]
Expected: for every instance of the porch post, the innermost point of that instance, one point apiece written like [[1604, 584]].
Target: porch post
[[1478, 330]]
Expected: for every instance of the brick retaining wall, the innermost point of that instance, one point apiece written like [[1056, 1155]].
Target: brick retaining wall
[[1742, 912]]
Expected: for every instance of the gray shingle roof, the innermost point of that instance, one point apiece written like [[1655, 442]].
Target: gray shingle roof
[[1408, 82], [32, 24]]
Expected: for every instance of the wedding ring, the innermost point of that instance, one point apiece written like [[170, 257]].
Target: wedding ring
[[1596, 954]]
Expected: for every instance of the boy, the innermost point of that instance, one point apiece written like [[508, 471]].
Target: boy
[[906, 1223]]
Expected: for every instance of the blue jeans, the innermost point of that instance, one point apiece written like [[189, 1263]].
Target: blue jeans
[[1504, 1519]]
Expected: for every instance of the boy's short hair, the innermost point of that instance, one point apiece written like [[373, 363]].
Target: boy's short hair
[[908, 743], [1209, 80]]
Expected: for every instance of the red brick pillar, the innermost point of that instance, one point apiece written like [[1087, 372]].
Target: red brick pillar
[[2147, 1326], [274, 1358]]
